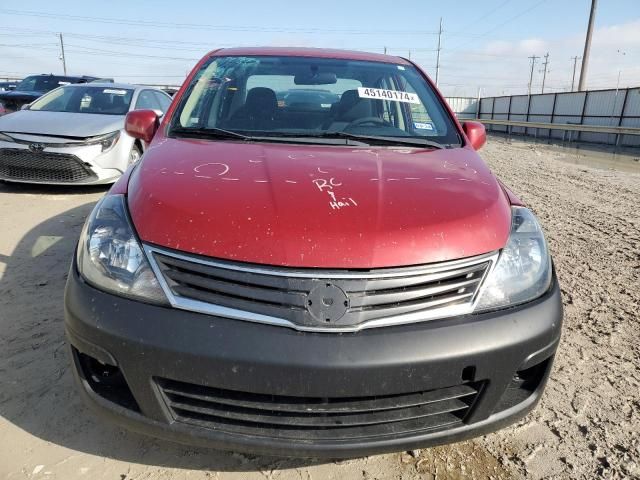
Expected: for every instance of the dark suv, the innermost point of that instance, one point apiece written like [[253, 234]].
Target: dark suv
[[33, 87]]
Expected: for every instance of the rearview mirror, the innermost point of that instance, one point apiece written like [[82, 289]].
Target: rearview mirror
[[476, 134], [141, 124], [315, 78]]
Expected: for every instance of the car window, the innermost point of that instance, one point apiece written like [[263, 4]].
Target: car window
[[162, 100], [85, 99], [305, 95], [147, 101], [27, 85], [42, 83], [419, 114]]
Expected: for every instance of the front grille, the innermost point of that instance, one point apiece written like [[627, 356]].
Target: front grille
[[28, 166], [306, 418], [320, 300]]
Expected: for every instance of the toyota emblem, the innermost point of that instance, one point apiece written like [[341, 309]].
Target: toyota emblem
[[36, 147]]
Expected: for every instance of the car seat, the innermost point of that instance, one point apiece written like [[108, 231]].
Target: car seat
[[258, 111]]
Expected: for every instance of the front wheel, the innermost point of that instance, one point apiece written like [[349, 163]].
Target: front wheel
[[134, 155]]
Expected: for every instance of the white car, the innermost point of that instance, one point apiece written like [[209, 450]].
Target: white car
[[75, 134]]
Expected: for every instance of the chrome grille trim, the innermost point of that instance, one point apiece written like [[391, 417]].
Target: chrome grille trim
[[428, 309]]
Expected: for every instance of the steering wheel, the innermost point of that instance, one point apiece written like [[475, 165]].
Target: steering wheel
[[368, 120]]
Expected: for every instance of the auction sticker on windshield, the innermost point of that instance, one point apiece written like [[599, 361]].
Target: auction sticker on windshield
[[114, 92], [393, 95]]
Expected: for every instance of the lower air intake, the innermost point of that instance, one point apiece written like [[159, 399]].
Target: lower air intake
[[300, 418]]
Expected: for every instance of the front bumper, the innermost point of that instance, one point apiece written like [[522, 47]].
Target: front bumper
[[73, 165], [505, 356]]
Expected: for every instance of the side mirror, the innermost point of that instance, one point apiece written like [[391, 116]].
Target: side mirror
[[476, 134], [26, 106], [141, 124]]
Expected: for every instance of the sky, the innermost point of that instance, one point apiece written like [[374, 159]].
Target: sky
[[485, 45]]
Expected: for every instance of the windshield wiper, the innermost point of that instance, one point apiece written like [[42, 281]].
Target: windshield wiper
[[210, 132], [415, 141], [213, 132]]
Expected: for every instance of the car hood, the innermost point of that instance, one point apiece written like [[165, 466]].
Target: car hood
[[60, 123], [317, 206]]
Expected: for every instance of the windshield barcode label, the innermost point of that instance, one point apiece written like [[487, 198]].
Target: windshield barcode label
[[393, 95]]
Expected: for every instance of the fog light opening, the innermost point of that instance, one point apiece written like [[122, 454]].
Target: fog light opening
[[106, 381], [468, 373]]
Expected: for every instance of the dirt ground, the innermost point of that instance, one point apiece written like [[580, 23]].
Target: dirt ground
[[587, 425]]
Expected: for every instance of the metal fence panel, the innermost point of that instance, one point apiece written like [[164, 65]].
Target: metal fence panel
[[597, 107], [604, 103], [486, 106], [541, 104], [632, 107], [570, 104], [463, 107], [501, 106], [519, 104]]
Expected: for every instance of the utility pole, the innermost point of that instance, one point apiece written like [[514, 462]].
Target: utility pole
[[533, 64], [587, 47], [575, 63], [438, 52], [409, 54], [385, 50], [544, 75], [64, 61]]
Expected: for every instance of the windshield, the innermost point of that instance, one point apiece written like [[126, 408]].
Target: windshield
[[86, 99], [268, 96], [41, 83]]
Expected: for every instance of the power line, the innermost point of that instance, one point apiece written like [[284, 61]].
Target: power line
[[199, 26], [509, 20], [79, 49], [485, 15], [156, 43], [129, 54]]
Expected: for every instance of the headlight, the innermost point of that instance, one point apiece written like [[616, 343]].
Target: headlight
[[107, 142], [523, 271], [111, 258], [5, 138]]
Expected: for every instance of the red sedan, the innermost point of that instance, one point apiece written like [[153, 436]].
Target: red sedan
[[336, 275]]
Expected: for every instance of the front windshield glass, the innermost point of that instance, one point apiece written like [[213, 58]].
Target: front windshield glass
[[86, 99], [305, 96]]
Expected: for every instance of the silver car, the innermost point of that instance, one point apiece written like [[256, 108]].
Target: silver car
[[75, 134]]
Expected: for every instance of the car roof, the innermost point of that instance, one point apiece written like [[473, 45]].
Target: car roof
[[78, 77], [112, 85], [310, 52]]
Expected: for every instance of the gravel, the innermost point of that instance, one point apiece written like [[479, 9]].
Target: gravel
[[587, 425], [588, 422]]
